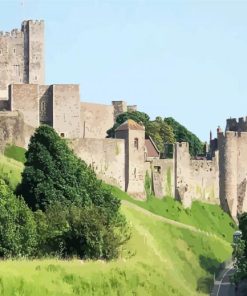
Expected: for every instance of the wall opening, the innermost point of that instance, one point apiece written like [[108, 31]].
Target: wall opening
[[136, 143]]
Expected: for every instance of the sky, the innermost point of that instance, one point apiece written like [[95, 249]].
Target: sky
[[185, 59]]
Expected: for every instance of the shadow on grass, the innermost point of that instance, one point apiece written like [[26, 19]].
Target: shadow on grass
[[211, 266]]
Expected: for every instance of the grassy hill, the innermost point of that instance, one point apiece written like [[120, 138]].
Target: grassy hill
[[10, 170], [172, 252]]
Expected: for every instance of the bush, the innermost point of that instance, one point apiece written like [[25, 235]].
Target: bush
[[17, 225], [68, 231]]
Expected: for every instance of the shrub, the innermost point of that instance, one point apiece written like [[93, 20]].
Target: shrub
[[17, 225]]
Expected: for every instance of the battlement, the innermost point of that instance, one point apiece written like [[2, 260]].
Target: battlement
[[237, 125], [33, 22], [13, 33]]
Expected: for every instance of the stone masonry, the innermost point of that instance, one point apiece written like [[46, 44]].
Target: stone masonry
[[129, 160]]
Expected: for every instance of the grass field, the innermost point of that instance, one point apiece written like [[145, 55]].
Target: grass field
[[204, 216], [161, 258]]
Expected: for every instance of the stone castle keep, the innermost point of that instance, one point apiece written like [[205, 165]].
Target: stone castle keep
[[127, 161]]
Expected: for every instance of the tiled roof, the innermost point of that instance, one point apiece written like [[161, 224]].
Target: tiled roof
[[130, 125]]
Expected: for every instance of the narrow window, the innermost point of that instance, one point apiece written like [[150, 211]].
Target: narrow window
[[136, 143], [14, 50], [135, 173], [35, 78]]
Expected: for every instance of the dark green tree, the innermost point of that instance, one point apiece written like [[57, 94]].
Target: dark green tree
[[182, 134], [54, 173]]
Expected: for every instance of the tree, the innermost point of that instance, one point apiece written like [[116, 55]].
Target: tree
[[75, 214], [17, 225], [54, 173], [182, 134]]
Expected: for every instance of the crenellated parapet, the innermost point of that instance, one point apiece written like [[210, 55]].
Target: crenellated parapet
[[237, 125]]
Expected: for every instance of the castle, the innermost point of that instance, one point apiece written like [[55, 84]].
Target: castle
[[129, 161]]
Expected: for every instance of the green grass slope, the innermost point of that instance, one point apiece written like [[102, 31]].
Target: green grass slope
[[10, 170], [204, 216], [163, 257], [160, 259], [15, 152]]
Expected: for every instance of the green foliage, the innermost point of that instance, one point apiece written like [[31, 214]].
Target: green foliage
[[53, 173], [76, 215], [240, 261], [15, 152], [182, 134], [148, 184], [17, 225], [139, 117], [156, 261], [79, 232], [164, 132]]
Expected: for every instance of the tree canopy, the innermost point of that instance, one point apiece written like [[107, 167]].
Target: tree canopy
[[162, 130]]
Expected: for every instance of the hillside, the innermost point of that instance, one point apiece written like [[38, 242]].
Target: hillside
[[160, 259], [163, 257]]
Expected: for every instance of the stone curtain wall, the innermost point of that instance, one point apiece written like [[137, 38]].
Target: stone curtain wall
[[106, 157], [96, 119], [195, 179], [25, 98], [163, 177], [66, 110]]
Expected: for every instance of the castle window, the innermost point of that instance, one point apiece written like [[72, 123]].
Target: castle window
[[43, 106], [135, 173], [136, 144], [62, 135], [157, 169], [14, 50], [35, 78]]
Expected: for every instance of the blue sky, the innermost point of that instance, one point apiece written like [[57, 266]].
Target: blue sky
[[185, 59]]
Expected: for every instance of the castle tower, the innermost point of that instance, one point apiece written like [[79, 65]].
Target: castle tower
[[22, 56], [134, 136], [34, 59]]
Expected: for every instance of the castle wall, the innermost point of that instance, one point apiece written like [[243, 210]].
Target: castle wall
[[119, 108], [13, 130], [195, 179], [66, 110], [46, 104], [25, 98], [11, 60], [96, 119], [106, 156], [163, 177], [22, 56]]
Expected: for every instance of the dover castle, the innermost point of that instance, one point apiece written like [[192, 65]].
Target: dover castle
[[127, 161]]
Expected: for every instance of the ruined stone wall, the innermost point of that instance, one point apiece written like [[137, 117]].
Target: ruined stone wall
[[96, 119], [106, 156], [163, 177], [66, 110], [25, 98], [13, 130], [195, 179]]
